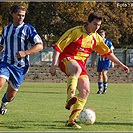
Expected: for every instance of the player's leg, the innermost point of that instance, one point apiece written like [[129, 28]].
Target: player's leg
[[100, 77], [16, 76], [7, 97], [84, 90], [100, 82], [106, 67], [4, 76], [10, 93], [105, 81], [2, 82], [73, 70]]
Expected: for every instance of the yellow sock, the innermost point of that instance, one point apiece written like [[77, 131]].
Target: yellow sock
[[77, 108], [71, 86]]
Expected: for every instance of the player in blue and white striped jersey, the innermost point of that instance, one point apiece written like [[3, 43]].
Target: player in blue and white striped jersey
[[103, 66], [19, 40]]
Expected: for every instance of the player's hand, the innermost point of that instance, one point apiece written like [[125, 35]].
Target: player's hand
[[52, 70], [126, 69], [93, 64], [112, 65], [21, 54]]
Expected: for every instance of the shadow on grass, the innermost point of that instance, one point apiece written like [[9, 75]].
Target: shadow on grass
[[41, 92], [47, 125], [114, 123]]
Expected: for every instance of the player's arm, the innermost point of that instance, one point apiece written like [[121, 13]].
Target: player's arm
[[94, 59], [114, 59], [112, 63], [36, 48], [54, 62], [104, 51]]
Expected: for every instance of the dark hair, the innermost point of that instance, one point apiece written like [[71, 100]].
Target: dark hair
[[15, 8], [101, 31], [94, 15]]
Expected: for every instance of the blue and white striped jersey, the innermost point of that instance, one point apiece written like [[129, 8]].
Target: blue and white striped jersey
[[111, 47], [16, 39]]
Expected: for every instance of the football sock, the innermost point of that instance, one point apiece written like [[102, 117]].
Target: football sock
[[4, 100], [105, 84], [71, 86], [77, 108], [100, 85]]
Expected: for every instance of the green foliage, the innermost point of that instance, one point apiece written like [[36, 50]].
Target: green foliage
[[57, 17], [40, 107], [118, 22]]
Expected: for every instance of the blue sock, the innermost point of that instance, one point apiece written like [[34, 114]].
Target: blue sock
[[4, 100], [105, 84], [100, 85]]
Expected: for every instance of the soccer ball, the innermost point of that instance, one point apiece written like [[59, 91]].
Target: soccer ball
[[87, 116]]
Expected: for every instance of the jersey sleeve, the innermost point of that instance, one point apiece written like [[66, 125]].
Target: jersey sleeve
[[111, 45], [33, 36], [68, 37], [101, 47]]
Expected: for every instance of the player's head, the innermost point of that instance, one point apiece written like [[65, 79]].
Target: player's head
[[94, 15], [18, 14], [15, 8], [94, 21], [102, 33]]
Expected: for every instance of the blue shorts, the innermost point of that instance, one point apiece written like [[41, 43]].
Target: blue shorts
[[13, 74], [103, 65]]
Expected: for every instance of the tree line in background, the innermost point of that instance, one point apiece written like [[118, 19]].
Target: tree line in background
[[52, 19]]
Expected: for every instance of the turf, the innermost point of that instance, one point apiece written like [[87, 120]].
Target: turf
[[40, 107]]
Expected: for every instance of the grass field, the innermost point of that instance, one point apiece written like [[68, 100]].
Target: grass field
[[40, 107]]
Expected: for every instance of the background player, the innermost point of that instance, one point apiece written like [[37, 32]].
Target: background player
[[103, 66]]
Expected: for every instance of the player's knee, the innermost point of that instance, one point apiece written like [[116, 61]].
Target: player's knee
[[100, 76], [78, 70], [1, 85], [86, 92]]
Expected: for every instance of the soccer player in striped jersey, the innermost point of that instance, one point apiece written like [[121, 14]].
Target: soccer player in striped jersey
[[70, 54], [103, 65], [15, 46]]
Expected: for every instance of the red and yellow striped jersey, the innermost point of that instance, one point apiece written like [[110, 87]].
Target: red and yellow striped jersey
[[78, 44]]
